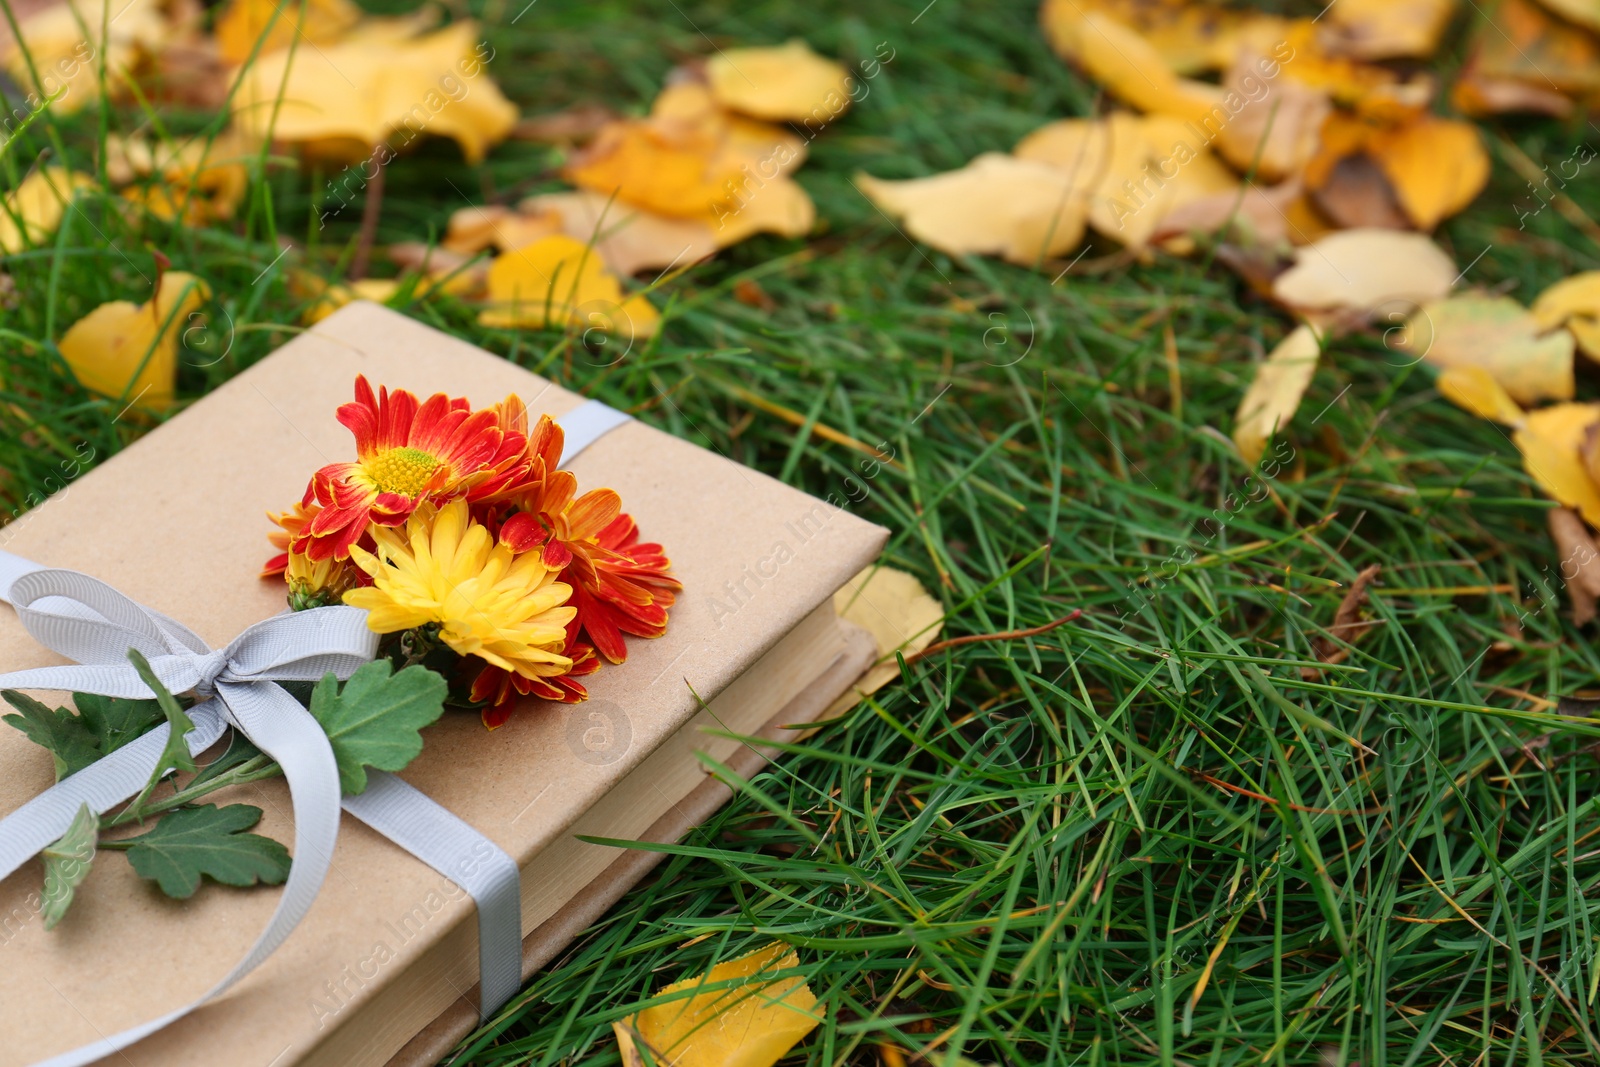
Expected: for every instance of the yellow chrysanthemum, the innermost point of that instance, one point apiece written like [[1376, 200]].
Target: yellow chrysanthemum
[[490, 602]]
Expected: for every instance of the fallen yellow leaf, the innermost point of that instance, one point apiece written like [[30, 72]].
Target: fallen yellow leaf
[[1574, 303], [789, 83], [1522, 58], [1437, 166], [628, 239], [35, 208], [996, 205], [376, 88], [276, 24], [1551, 442], [1475, 389], [1274, 396], [68, 43], [1499, 335], [901, 616], [129, 352], [1389, 29], [751, 1023], [560, 282], [1189, 37], [1366, 271], [1157, 164], [1116, 56]]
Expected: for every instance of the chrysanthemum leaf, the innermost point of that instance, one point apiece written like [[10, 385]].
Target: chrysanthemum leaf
[[375, 719], [210, 841], [175, 756], [58, 730], [66, 865]]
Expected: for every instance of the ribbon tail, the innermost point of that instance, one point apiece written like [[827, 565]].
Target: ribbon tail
[[281, 728], [433, 834], [102, 785]]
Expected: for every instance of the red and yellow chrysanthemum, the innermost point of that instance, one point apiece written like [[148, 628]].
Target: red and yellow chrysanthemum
[[408, 452]]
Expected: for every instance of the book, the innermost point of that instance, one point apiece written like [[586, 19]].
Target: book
[[384, 966]]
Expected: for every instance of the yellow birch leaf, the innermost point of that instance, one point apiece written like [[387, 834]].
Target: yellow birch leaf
[[1118, 57], [243, 22], [1551, 442], [779, 206], [901, 616], [1475, 389], [628, 239], [1273, 398], [1079, 148], [1586, 332], [996, 205], [751, 1022], [1157, 165], [1436, 166], [767, 147], [129, 351], [35, 208], [377, 88], [1366, 270], [1389, 29], [1499, 335], [789, 83], [560, 282], [68, 60], [1578, 295]]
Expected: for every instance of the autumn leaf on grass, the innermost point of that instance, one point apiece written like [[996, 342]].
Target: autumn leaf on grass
[[1498, 335], [1580, 562], [789, 83], [1115, 55], [559, 282], [628, 239], [35, 208], [271, 25], [129, 352], [893, 607], [1388, 29], [1274, 396], [69, 44], [341, 101], [66, 865], [1522, 58], [374, 718], [1157, 164], [205, 841], [1275, 131], [741, 1016], [1574, 303], [199, 181], [1348, 626], [1430, 168], [1188, 37], [996, 205], [1359, 272], [1551, 441]]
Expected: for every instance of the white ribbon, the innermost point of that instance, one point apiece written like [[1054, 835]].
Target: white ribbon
[[88, 621]]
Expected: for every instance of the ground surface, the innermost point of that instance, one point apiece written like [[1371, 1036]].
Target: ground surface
[[1019, 852]]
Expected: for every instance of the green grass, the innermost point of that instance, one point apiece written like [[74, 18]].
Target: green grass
[[1018, 852]]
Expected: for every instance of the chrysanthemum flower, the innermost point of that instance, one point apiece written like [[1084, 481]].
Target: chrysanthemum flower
[[291, 524], [620, 585], [499, 689], [409, 452], [488, 600]]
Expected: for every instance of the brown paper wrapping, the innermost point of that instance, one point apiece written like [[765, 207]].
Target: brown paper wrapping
[[176, 522]]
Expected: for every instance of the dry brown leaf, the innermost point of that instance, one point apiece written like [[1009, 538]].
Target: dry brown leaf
[[1580, 562], [1551, 442], [1018, 209], [1476, 390], [129, 351], [1523, 59], [749, 1019], [789, 83], [1499, 335], [1366, 271], [1388, 29], [1277, 129], [1274, 396], [1348, 626], [1263, 216], [901, 616]]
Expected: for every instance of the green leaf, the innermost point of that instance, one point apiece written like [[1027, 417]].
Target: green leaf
[[59, 731], [210, 841], [175, 757], [240, 751], [115, 721], [374, 721], [66, 865]]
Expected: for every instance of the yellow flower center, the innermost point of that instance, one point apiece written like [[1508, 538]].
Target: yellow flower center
[[401, 470]]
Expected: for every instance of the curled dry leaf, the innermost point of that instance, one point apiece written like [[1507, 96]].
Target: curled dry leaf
[[744, 1017], [1498, 335], [560, 282], [1432, 168], [343, 100], [1366, 271], [789, 83], [999, 205], [1574, 303], [1551, 441], [1348, 626], [1274, 396], [35, 208], [1475, 389], [129, 352], [1580, 562]]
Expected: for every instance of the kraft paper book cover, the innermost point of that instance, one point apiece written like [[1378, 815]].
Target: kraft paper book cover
[[177, 523]]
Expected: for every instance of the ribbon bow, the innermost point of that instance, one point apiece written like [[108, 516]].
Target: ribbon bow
[[88, 621]]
